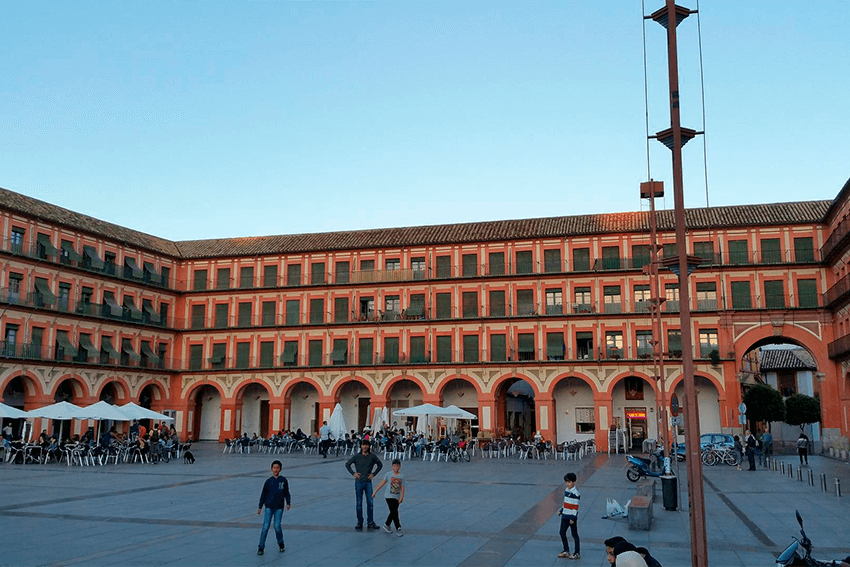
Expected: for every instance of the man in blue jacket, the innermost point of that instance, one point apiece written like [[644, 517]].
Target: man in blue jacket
[[275, 492]]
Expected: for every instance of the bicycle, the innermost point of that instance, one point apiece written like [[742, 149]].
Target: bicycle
[[714, 454], [158, 453], [457, 453]]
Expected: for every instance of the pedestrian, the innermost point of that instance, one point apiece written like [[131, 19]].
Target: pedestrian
[[275, 493], [610, 544], [363, 462], [394, 496], [569, 517], [325, 434], [803, 447], [750, 441], [767, 447], [739, 450], [648, 558]]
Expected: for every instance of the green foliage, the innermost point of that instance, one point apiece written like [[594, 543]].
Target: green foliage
[[714, 357], [800, 409], [764, 404]]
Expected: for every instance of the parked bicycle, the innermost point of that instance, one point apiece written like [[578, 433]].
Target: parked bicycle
[[458, 453], [718, 454]]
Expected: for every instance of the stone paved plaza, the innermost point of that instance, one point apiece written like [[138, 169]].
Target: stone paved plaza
[[489, 512]]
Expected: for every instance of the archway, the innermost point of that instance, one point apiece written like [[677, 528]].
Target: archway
[[515, 410], [109, 393], [462, 393], [575, 410], [355, 399], [633, 398], [207, 413], [304, 408], [255, 409], [708, 402], [402, 394], [15, 395], [71, 391]]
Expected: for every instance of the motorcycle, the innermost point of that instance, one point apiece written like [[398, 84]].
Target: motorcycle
[[639, 467], [792, 555]]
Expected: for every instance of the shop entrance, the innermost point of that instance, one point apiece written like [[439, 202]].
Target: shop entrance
[[636, 427]]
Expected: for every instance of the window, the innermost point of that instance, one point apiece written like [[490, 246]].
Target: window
[[367, 265], [34, 349], [470, 348], [581, 259], [786, 382], [392, 307], [674, 342], [444, 348], [18, 240], [243, 355], [218, 359], [738, 253], [64, 297], [293, 312], [110, 306], [339, 354], [444, 306], [585, 420], [525, 346], [613, 300], [199, 280], [196, 356], [244, 317], [342, 272], [42, 295], [614, 344], [317, 273], [418, 266], [340, 309], [704, 250], [391, 350], [269, 315], [497, 303], [807, 293], [367, 309], [151, 316], [470, 304], [524, 262], [554, 301], [804, 249], [314, 352], [640, 255], [108, 352], [198, 316], [270, 276], [162, 353], [497, 263], [552, 261], [741, 297], [221, 315], [444, 266], [222, 278], [163, 313], [392, 264], [583, 302], [770, 252], [498, 348], [128, 355], [584, 345], [130, 311], [84, 306], [470, 265], [417, 306], [417, 349], [43, 247], [67, 254], [365, 347], [642, 297], [11, 340], [708, 342], [317, 311], [670, 250], [293, 274], [706, 296], [290, 353], [525, 302], [555, 346], [610, 257], [774, 295], [15, 280], [164, 278], [109, 263], [246, 277], [643, 344], [266, 354], [671, 293]]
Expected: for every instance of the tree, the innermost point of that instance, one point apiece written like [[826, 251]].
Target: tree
[[764, 404], [801, 409]]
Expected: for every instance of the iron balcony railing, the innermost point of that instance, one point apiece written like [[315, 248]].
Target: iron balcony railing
[[37, 353]]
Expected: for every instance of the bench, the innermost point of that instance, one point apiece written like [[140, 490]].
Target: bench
[[640, 509]]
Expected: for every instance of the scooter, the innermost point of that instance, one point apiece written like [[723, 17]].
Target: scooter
[[792, 555], [639, 467]]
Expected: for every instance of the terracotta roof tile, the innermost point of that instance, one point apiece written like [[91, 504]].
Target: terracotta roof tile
[[786, 359]]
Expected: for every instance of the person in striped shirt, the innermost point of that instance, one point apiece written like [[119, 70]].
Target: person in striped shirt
[[569, 516]]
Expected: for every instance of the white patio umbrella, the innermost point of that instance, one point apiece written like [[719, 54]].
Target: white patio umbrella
[[61, 411], [385, 415], [458, 413], [337, 422], [426, 411], [12, 413], [135, 411], [376, 420], [104, 410]]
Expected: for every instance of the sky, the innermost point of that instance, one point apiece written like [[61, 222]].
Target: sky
[[192, 120]]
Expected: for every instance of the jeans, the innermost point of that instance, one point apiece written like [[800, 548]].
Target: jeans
[[392, 504], [267, 519], [361, 487], [565, 523]]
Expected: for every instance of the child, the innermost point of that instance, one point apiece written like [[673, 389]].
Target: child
[[569, 516], [394, 496], [275, 491]]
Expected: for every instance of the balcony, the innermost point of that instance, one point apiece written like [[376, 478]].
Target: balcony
[[839, 349], [50, 355]]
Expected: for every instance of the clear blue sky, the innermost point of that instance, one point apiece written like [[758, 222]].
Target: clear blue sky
[[212, 119]]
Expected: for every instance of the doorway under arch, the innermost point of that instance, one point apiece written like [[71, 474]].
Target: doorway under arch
[[304, 408], [255, 410], [355, 400], [403, 394], [207, 413], [462, 393], [575, 410], [633, 398], [515, 409]]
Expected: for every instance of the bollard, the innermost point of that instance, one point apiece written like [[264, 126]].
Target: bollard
[[783, 467], [838, 488], [800, 474], [774, 465], [790, 471], [823, 481], [811, 477]]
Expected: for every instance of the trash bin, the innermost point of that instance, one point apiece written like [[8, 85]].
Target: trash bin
[[670, 492]]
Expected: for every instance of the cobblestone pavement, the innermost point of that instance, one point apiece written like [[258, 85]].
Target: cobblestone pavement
[[491, 512]]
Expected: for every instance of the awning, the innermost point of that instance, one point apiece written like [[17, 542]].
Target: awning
[[44, 240], [114, 309], [554, 350], [149, 353], [68, 248], [47, 296], [127, 349], [216, 359], [67, 348], [106, 344], [153, 316], [153, 276], [135, 314], [340, 353], [134, 267], [86, 344], [290, 353], [90, 252]]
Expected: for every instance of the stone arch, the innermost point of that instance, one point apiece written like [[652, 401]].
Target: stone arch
[[464, 392], [441, 385], [390, 384], [31, 385], [295, 382], [78, 387], [401, 392], [578, 375], [573, 398], [122, 389], [498, 382], [679, 378], [765, 334], [710, 399], [355, 395], [627, 374], [303, 398], [340, 384], [205, 422], [252, 407], [193, 390], [158, 395], [516, 414], [634, 407]]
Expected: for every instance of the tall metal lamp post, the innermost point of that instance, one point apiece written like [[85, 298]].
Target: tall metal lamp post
[[674, 138]]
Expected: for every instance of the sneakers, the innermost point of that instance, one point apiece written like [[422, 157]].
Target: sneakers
[[387, 529], [282, 547], [359, 526], [575, 555], [398, 532], [259, 551], [372, 526], [565, 555]]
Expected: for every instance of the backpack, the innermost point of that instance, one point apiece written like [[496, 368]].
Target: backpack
[[802, 442]]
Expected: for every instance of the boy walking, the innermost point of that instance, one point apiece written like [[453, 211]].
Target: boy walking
[[275, 493], [394, 496], [569, 516]]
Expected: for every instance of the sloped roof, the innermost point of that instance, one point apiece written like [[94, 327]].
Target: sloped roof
[[786, 359]]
